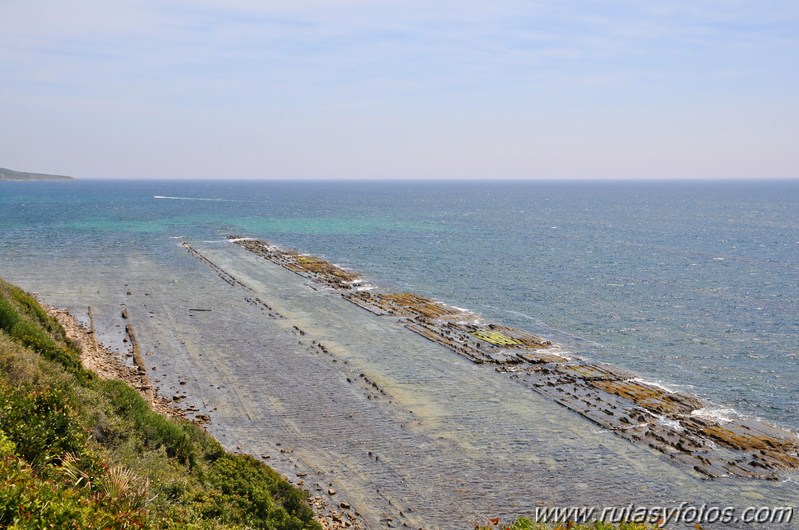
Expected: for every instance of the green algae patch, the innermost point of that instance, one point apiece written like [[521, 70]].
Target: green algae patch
[[497, 338], [617, 399]]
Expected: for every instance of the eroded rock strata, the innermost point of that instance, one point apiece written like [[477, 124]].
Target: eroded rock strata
[[672, 423]]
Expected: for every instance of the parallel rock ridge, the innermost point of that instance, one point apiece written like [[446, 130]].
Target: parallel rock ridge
[[672, 423]]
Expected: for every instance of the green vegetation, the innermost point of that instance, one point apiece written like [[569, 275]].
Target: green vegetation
[[80, 452], [496, 338], [10, 174]]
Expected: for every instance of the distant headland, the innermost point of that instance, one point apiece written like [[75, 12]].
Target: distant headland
[[10, 174]]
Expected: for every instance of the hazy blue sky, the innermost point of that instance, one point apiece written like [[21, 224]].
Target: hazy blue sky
[[400, 89]]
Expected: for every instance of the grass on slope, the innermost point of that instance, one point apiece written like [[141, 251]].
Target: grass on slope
[[80, 452]]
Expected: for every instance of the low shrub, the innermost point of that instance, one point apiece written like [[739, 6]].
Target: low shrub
[[31, 501], [79, 452], [155, 431], [24, 320], [41, 423], [259, 492]]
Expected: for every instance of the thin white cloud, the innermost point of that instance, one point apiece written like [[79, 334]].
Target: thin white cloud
[[197, 39], [352, 71]]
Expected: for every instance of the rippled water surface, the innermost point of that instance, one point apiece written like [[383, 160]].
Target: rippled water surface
[[694, 285]]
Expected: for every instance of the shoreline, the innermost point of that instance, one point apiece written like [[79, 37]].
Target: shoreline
[[282, 385], [475, 437], [616, 399], [108, 364]]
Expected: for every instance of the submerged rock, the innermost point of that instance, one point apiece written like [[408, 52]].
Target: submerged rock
[[617, 399]]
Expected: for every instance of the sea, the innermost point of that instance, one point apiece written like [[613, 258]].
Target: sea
[[694, 285]]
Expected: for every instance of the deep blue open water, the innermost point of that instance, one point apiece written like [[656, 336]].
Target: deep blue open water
[[694, 285]]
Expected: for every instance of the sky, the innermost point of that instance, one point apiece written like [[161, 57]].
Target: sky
[[411, 89]]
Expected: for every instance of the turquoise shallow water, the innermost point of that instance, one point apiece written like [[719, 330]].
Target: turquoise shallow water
[[694, 285]]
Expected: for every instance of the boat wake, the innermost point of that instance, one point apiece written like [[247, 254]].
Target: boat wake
[[209, 199]]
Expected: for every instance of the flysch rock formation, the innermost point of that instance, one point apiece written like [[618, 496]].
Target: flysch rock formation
[[672, 423]]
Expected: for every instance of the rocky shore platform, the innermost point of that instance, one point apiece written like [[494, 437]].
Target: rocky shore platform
[[330, 513], [673, 423]]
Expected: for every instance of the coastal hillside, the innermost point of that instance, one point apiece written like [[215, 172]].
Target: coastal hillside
[[10, 174], [80, 451], [77, 451]]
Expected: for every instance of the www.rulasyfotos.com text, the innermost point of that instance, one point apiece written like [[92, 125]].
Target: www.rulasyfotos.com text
[[664, 515]]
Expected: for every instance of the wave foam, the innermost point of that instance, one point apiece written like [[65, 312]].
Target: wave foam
[[565, 354], [651, 383], [668, 422], [721, 415], [212, 199]]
